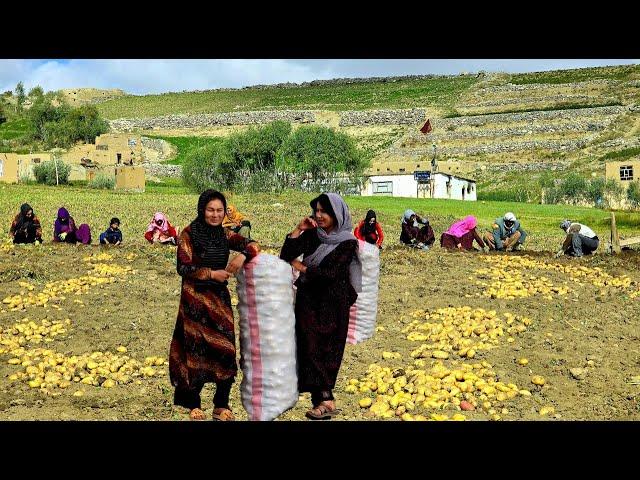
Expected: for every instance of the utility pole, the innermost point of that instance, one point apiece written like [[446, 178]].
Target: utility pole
[[434, 169]]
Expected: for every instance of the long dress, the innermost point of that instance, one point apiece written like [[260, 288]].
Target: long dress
[[422, 234], [323, 300], [203, 345], [451, 242]]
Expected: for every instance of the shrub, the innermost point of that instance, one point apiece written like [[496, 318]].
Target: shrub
[[203, 167], [320, 152], [46, 172], [633, 194], [102, 181]]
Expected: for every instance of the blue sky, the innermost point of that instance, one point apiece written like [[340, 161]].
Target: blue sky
[[157, 76]]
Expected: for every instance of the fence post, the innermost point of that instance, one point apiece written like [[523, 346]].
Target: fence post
[[615, 239]]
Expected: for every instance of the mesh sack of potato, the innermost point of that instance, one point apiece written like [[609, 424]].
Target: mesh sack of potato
[[267, 337]]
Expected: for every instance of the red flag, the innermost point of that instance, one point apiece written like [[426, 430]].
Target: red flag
[[426, 128]]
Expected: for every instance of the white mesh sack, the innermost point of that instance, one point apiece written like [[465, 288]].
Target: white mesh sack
[[267, 337], [363, 313]]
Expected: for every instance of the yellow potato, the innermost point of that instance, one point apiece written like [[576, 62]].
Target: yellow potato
[[538, 380]]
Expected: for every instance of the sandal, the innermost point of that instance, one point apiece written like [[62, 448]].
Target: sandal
[[197, 414], [322, 412], [223, 415]]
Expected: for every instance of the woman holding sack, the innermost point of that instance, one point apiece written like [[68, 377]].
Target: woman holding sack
[[203, 347], [330, 277]]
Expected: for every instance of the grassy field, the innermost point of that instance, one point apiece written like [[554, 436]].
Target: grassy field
[[622, 72], [10, 132], [274, 215], [437, 92], [186, 145]]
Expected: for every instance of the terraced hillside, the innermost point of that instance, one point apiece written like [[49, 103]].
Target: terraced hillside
[[489, 126]]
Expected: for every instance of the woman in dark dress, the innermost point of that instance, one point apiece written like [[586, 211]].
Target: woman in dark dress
[[203, 347], [415, 235], [329, 282], [26, 226]]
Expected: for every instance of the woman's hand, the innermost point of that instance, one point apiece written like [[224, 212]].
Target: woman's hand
[[459, 246], [236, 264], [298, 265], [219, 275], [307, 223]]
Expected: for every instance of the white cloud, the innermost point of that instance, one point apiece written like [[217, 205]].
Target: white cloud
[[156, 76]]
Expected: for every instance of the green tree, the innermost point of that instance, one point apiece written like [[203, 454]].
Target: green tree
[[633, 194], [43, 114], [58, 125], [320, 151], [36, 92], [20, 96], [203, 167]]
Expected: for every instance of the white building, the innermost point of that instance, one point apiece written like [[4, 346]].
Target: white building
[[421, 185]]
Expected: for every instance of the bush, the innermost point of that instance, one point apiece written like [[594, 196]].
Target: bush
[[320, 152], [271, 158], [202, 167], [633, 194], [46, 172], [573, 188], [102, 181], [255, 149], [60, 125]]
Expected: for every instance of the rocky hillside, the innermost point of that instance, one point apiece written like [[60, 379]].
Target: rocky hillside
[[491, 126]]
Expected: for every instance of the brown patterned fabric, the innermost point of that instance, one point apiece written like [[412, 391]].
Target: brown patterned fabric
[[203, 344]]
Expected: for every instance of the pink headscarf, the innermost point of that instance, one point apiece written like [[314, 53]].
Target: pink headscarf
[[459, 228], [164, 228]]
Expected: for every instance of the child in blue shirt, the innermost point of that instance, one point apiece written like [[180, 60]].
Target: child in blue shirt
[[113, 235]]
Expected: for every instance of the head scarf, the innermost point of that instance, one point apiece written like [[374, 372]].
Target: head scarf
[[232, 214], [367, 227], [209, 242], [509, 217], [23, 221], [164, 228], [340, 233], [461, 227], [407, 216], [565, 225], [64, 222]]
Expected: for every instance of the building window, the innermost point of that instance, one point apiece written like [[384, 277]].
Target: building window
[[468, 188], [102, 147], [402, 169], [382, 188], [626, 172], [35, 160]]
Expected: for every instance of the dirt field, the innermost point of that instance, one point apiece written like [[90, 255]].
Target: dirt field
[[590, 328]]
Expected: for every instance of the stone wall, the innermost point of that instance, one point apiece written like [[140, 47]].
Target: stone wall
[[411, 116], [162, 170], [211, 120]]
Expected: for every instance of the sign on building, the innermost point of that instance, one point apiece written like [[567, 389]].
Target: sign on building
[[421, 176]]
